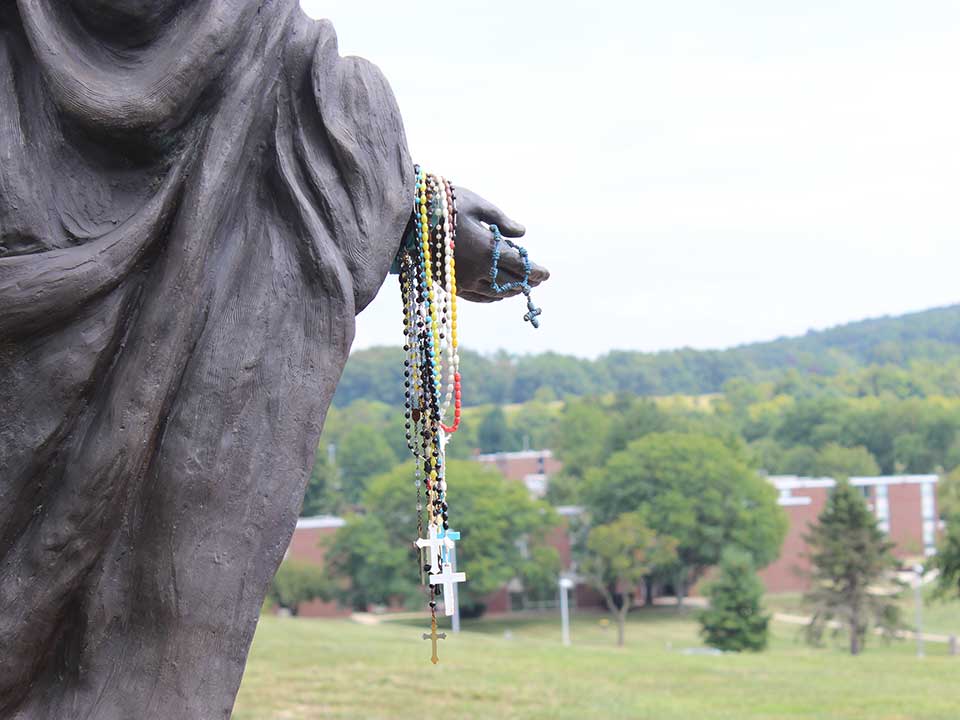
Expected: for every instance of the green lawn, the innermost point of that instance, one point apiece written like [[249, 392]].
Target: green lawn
[[497, 669]]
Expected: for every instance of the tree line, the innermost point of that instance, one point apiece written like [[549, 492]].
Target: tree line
[[773, 432], [914, 355]]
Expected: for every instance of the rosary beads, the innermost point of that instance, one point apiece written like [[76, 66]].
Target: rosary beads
[[431, 373], [533, 312], [428, 286]]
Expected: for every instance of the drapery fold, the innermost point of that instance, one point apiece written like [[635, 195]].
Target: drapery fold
[[178, 283]]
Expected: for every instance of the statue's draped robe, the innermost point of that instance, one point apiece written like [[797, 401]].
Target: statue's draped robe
[[190, 218]]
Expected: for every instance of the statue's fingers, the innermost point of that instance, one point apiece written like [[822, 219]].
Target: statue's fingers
[[492, 215], [476, 297], [538, 274], [508, 227], [512, 269], [481, 209], [511, 260]]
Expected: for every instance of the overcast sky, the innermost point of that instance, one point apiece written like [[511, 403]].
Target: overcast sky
[[694, 173]]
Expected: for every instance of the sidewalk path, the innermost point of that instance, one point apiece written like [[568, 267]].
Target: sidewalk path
[[365, 618], [902, 634]]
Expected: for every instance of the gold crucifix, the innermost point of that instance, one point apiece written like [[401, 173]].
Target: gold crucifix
[[434, 636]]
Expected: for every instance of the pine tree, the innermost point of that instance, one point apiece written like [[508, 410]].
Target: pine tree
[[735, 620], [851, 556], [947, 559]]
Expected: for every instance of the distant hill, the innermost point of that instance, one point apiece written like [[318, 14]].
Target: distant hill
[[898, 342]]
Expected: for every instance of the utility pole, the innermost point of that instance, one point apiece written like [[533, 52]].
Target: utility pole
[[565, 585], [918, 600]]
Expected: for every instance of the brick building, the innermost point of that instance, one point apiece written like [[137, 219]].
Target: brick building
[[534, 468], [308, 545], [905, 506], [531, 467]]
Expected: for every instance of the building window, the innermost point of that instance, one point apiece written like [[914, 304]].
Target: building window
[[882, 508], [536, 484], [928, 508]]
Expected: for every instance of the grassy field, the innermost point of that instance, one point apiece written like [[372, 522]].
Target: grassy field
[[303, 669]]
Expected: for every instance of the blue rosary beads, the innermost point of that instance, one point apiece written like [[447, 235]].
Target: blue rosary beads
[[533, 312]]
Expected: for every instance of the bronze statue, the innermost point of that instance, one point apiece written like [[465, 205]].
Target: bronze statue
[[196, 199]]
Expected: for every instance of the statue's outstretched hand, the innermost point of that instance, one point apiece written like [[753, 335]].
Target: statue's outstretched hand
[[474, 250]]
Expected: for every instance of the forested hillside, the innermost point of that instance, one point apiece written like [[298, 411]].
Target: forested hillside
[[915, 355], [879, 396]]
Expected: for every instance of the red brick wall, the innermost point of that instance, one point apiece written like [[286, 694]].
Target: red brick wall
[[305, 546], [586, 597], [906, 530], [559, 538], [906, 519], [516, 466], [497, 602], [786, 574]]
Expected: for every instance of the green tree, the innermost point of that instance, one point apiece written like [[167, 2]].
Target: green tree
[[298, 582], [373, 373], [695, 489], [813, 422], [362, 454], [534, 424], [372, 413], [565, 374], [837, 461], [378, 567], [947, 559], [617, 558], [324, 494], [912, 454], [909, 357], [493, 434], [541, 573], [581, 435], [634, 418], [851, 556], [767, 454], [799, 460], [375, 552], [735, 620], [563, 489]]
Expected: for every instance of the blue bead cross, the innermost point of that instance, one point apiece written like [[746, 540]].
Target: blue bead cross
[[532, 312]]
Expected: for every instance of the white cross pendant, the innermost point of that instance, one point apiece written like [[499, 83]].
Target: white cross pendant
[[434, 543], [447, 578]]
